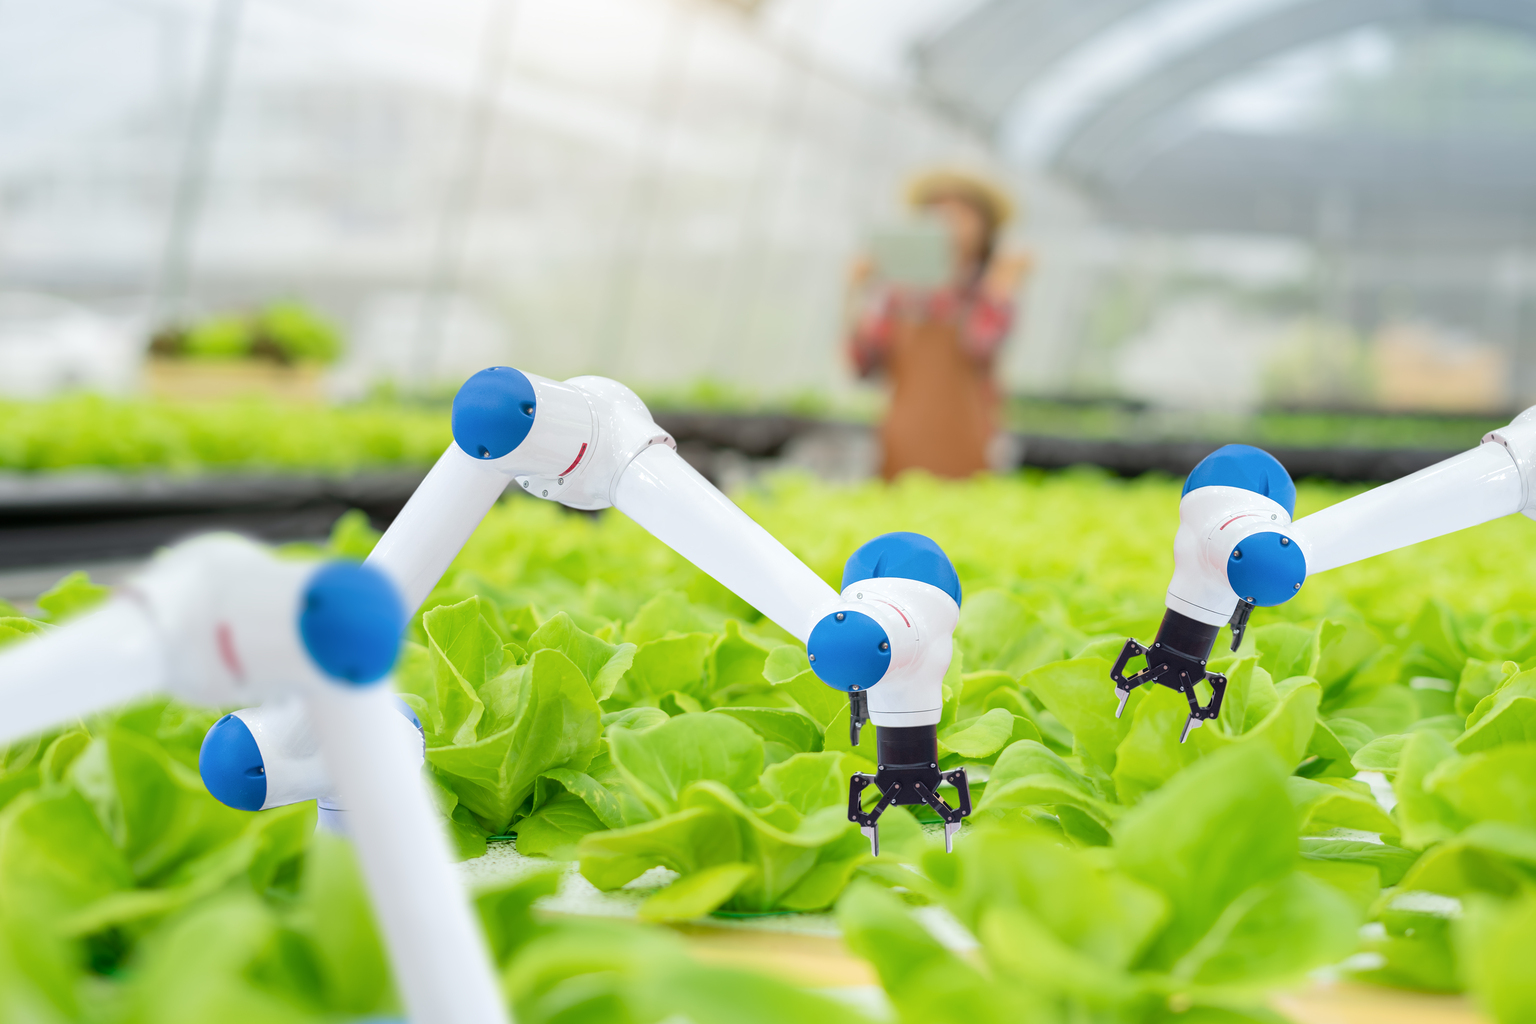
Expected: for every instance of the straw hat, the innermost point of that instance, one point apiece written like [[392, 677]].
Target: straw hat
[[946, 183]]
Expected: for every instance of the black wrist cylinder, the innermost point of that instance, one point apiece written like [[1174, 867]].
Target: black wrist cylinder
[[913, 746], [1190, 638], [907, 754]]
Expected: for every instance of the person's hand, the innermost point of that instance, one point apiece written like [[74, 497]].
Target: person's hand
[[1005, 274]]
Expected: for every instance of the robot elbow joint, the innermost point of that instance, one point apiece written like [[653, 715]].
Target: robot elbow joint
[[849, 651], [1266, 568]]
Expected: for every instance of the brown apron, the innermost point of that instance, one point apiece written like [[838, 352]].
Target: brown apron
[[943, 408]]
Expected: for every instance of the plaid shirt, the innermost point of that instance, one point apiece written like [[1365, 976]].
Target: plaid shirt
[[983, 323]]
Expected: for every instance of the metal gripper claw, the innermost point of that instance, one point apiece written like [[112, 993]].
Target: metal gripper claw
[[1124, 686], [1175, 670], [1198, 714], [908, 790]]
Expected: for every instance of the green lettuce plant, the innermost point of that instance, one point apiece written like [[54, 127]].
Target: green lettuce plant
[[1203, 903], [1365, 804]]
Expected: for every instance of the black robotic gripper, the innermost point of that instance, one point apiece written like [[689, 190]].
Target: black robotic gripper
[[1177, 660], [907, 773]]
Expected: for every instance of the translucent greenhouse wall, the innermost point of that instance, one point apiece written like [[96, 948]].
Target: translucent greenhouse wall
[[647, 188], [670, 190], [1300, 205]]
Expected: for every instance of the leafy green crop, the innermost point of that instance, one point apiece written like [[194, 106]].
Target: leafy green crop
[[284, 332], [1112, 420], [90, 431], [1202, 902], [590, 694], [1371, 665]]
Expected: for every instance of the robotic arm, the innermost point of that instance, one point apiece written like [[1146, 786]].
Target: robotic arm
[[590, 443], [1237, 548], [894, 626], [270, 755], [218, 620]]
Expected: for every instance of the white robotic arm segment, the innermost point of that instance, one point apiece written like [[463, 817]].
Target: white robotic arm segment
[[888, 645], [225, 610], [622, 430], [286, 757], [918, 621], [268, 756], [435, 943], [219, 618], [668, 497], [1213, 521], [106, 657], [590, 443], [587, 443], [210, 621], [1493, 480], [1235, 549], [1269, 563], [563, 441], [506, 425], [436, 522], [1519, 439], [566, 442], [557, 458], [1464, 490], [215, 621]]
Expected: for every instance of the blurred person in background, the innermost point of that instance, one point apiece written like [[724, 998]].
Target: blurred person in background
[[935, 335]]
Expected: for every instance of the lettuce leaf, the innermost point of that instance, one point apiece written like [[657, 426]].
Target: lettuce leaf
[[539, 716], [660, 762]]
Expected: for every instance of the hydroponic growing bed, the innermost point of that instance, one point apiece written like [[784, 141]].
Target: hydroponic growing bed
[[1365, 807]]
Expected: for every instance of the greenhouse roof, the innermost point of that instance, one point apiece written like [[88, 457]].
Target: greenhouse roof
[[1320, 118]]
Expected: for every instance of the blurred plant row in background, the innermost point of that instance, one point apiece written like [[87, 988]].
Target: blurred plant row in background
[[284, 333], [85, 431], [387, 429]]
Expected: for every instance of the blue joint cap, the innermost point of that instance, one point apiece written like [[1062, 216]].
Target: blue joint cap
[[849, 651], [351, 622], [493, 412], [1252, 469], [231, 765], [1266, 568], [909, 556]]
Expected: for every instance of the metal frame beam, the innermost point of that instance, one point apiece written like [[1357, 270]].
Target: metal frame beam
[[1121, 135], [977, 67]]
